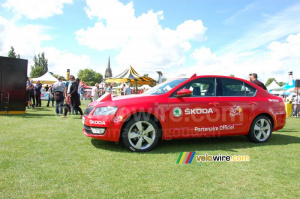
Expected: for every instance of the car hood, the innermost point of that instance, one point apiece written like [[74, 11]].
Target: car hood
[[108, 100]]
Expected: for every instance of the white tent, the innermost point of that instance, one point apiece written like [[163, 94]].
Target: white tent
[[47, 78], [145, 87], [273, 85]]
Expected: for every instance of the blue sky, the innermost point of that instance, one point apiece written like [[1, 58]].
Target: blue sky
[[173, 36]]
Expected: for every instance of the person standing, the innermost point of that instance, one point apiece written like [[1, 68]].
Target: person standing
[[73, 109], [28, 82], [38, 90], [127, 90], [257, 82], [46, 88], [123, 89], [31, 91], [58, 94], [28, 102], [95, 92], [81, 92], [73, 94], [50, 98], [107, 89]]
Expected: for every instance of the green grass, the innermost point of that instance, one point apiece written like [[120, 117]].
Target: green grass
[[45, 156]]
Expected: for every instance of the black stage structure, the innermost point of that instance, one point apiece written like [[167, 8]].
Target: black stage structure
[[13, 77]]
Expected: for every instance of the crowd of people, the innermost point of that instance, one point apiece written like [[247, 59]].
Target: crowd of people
[[126, 89], [66, 95], [33, 93]]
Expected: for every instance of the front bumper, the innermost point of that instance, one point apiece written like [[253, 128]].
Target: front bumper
[[109, 124]]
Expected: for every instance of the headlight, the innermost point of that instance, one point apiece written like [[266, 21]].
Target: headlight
[[105, 110]]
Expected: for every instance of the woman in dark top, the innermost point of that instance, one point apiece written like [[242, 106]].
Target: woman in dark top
[[72, 92]]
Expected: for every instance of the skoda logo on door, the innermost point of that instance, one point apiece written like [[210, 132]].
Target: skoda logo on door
[[177, 112]]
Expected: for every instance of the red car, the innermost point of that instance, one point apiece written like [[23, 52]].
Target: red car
[[201, 106]]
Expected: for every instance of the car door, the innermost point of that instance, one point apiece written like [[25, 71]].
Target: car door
[[236, 105], [197, 115]]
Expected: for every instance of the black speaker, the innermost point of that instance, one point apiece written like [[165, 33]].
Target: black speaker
[[297, 83]]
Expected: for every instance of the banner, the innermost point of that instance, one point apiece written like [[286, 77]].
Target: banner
[[44, 96]]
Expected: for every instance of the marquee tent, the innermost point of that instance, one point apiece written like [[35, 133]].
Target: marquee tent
[[273, 85], [130, 75], [284, 90], [47, 78]]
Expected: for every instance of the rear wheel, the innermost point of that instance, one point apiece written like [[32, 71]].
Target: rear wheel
[[261, 129], [140, 135]]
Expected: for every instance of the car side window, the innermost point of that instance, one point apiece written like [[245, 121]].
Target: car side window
[[250, 91], [201, 87], [233, 87]]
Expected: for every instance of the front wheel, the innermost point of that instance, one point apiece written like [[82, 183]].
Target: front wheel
[[140, 135], [261, 130]]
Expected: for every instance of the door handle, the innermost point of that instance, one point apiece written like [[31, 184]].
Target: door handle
[[213, 103], [252, 103]]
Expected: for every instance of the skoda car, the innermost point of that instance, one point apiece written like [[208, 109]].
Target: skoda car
[[200, 106]]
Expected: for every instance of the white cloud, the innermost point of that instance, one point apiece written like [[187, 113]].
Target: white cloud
[[288, 49], [34, 9], [204, 56], [60, 61], [275, 61], [26, 39], [141, 41]]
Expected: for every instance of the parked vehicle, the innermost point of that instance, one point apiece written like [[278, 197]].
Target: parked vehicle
[[201, 106]]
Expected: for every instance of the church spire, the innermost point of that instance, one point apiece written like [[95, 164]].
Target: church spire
[[108, 72], [108, 65]]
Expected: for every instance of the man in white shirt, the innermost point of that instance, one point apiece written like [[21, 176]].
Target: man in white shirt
[[95, 92]]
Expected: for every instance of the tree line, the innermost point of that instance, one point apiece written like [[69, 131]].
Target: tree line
[[40, 67]]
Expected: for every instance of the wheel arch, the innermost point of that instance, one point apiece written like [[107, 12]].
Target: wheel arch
[[139, 114], [268, 116]]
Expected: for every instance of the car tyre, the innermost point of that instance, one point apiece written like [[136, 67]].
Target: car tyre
[[261, 129], [141, 134]]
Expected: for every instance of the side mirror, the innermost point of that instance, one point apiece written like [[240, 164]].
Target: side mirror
[[184, 93]]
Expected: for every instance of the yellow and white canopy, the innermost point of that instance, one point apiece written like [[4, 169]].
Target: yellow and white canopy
[[130, 75]]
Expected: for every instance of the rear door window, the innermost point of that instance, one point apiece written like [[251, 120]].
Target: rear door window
[[233, 87]]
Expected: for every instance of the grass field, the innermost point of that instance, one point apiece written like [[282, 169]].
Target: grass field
[[45, 156]]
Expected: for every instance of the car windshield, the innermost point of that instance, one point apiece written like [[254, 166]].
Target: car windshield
[[165, 87]]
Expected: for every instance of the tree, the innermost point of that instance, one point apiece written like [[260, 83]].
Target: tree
[[231, 75], [281, 83], [40, 66], [89, 76], [269, 81], [12, 53]]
